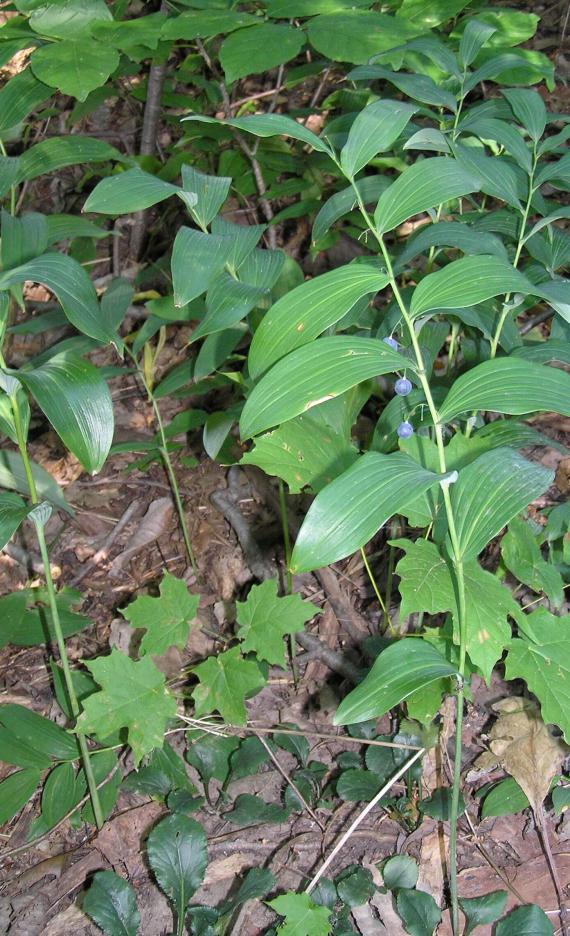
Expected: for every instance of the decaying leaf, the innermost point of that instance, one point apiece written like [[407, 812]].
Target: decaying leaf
[[155, 522], [522, 744]]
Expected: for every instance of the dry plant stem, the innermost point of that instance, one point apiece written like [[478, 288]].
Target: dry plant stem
[[361, 816], [322, 736], [290, 782], [457, 562], [540, 820], [73, 701], [287, 548]]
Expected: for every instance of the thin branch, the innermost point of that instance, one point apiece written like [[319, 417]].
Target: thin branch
[[361, 816], [291, 782]]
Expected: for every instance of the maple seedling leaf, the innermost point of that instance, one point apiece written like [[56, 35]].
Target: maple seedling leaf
[[226, 681], [166, 619], [133, 696], [303, 917], [265, 619]]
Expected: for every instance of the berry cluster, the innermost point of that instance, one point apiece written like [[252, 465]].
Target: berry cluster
[[402, 387]]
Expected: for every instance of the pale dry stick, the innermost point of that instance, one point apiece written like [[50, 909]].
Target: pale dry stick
[[322, 736], [290, 782], [361, 816], [540, 820], [103, 552]]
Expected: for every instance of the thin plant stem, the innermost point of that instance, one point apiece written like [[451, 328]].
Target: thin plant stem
[[458, 571], [376, 589], [289, 575], [168, 466], [54, 611]]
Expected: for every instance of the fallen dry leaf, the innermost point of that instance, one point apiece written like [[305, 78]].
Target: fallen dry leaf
[[155, 523], [525, 748]]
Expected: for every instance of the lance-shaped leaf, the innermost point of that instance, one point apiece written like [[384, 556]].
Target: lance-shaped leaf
[[133, 190], [370, 188], [304, 313], [451, 234], [111, 903], [466, 282], [57, 152], [315, 373], [15, 791], [19, 96], [350, 510], [76, 400], [528, 107], [509, 385], [209, 194], [227, 302], [373, 131], [418, 87], [133, 696], [401, 669], [491, 491], [177, 854], [70, 283], [12, 511], [196, 259], [13, 475], [424, 185], [269, 125]]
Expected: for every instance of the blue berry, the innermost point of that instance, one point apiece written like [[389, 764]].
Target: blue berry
[[391, 342], [403, 386], [405, 430]]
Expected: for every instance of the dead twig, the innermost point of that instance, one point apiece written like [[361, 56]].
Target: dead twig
[[290, 781]]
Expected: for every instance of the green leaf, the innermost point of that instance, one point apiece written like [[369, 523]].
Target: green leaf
[[9, 166], [351, 510], [418, 910], [264, 619], [357, 785], [133, 696], [508, 385], [13, 475], [210, 193], [401, 669], [72, 286], [355, 886], [211, 756], [76, 400], [177, 854], [269, 125], [258, 48], [315, 373], [400, 871], [426, 184], [489, 493], [227, 302], [356, 35], [506, 135], [528, 107], [68, 17], [497, 177], [111, 903], [62, 227], [474, 37], [249, 809], [196, 259], [166, 619], [529, 920], [202, 24], [57, 152], [482, 911], [426, 585], [78, 68], [63, 789], [22, 238], [541, 656], [341, 203], [521, 555], [226, 680], [466, 282], [451, 234], [15, 791], [28, 740], [20, 95], [374, 130], [308, 310], [438, 805], [419, 87], [561, 799], [308, 451], [133, 190], [437, 12], [12, 511], [302, 916]]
